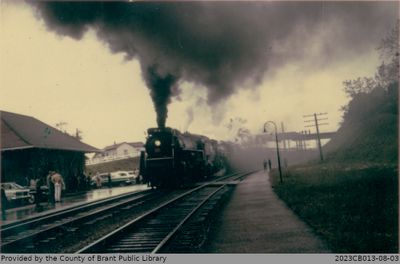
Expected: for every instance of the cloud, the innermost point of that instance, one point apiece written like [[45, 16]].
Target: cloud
[[222, 46]]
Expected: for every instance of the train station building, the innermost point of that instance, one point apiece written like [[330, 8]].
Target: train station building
[[30, 148]]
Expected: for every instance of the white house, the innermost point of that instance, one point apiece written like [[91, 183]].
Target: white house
[[118, 151]]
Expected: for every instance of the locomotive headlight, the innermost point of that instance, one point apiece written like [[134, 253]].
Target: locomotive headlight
[[157, 143]]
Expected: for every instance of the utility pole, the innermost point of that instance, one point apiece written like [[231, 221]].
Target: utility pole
[[317, 124], [304, 133], [300, 142], [319, 139], [283, 136], [277, 146]]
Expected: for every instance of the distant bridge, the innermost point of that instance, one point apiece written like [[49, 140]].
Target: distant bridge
[[299, 139]]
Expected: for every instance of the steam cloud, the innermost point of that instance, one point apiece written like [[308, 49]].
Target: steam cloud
[[220, 45], [189, 113]]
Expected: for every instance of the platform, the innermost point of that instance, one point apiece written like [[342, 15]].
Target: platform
[[255, 220], [28, 211]]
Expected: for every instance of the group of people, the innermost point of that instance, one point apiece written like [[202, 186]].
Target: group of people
[[267, 165], [55, 184]]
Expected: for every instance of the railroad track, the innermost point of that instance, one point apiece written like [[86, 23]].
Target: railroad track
[[32, 234], [153, 232], [35, 235]]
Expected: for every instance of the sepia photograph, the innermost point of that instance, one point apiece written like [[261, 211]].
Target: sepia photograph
[[147, 131]]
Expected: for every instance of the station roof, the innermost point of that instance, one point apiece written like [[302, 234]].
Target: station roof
[[22, 132]]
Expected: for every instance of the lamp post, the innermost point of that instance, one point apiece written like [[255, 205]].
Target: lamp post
[[277, 147]]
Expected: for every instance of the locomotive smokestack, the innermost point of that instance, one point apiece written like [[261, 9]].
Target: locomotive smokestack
[[161, 88]]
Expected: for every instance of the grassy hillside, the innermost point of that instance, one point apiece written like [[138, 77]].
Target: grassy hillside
[[354, 208], [351, 199], [369, 132]]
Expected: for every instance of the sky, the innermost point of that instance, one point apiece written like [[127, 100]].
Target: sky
[[201, 64]]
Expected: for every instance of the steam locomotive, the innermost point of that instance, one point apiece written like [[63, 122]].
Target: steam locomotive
[[174, 159]]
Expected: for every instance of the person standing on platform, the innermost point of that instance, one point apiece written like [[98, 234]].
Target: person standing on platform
[[38, 194], [32, 184], [265, 165], [4, 204], [269, 164], [97, 178], [88, 180], [59, 185], [50, 185], [109, 180]]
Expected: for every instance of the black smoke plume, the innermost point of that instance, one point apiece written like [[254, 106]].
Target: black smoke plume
[[221, 45], [160, 92]]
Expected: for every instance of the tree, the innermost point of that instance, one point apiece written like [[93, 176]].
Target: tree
[[369, 130], [78, 134], [60, 126], [359, 85], [387, 73], [386, 76]]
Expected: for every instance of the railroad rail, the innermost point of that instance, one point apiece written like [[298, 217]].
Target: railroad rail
[[30, 234], [154, 231], [35, 234]]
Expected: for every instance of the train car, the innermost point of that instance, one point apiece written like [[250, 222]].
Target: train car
[[175, 159]]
